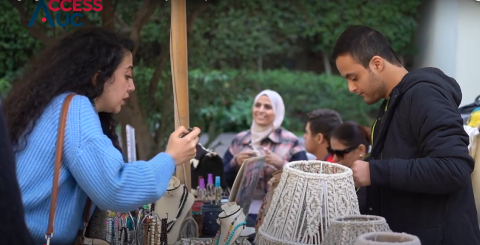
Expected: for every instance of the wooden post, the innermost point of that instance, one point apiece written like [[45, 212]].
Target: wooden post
[[179, 61]]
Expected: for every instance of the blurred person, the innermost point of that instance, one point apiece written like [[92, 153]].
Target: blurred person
[[320, 123], [13, 229], [350, 142], [419, 171], [97, 65], [265, 136]]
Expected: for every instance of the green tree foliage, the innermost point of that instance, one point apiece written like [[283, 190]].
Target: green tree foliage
[[16, 46], [225, 98], [236, 48]]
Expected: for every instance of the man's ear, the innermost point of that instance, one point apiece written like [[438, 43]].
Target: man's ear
[[320, 138], [377, 64]]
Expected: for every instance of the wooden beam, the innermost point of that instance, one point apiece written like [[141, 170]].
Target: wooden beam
[[179, 62]]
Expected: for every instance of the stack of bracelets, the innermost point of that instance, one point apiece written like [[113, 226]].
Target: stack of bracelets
[[147, 228], [117, 231], [163, 232], [109, 226]]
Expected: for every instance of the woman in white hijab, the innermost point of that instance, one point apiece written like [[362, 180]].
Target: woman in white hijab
[[265, 136]]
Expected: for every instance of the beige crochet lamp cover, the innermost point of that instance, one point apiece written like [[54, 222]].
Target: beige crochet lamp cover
[[345, 230], [309, 195], [387, 238]]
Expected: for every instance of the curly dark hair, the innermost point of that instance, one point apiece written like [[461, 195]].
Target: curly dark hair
[[68, 66]]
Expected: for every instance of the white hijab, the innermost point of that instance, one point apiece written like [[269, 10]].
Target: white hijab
[[261, 132]]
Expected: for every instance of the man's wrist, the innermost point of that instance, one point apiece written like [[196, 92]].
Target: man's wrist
[[379, 172]]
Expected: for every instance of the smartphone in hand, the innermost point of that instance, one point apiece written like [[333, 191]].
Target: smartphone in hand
[[189, 130]]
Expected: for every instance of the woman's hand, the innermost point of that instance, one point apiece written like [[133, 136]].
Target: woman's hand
[[274, 159], [242, 156], [269, 170], [182, 149]]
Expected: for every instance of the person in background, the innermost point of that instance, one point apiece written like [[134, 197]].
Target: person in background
[[97, 65], [350, 142], [13, 229], [418, 175], [320, 123], [265, 136]]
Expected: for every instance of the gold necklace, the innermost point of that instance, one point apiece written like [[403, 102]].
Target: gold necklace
[[357, 189]]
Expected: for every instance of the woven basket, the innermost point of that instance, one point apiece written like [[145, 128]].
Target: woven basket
[[345, 230], [309, 195], [387, 238], [267, 200]]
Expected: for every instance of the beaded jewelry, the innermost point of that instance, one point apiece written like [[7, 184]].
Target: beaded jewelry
[[231, 232], [116, 228], [153, 230], [147, 232], [123, 235], [163, 232], [109, 227], [181, 205], [231, 229]]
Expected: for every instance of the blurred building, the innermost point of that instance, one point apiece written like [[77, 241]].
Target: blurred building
[[449, 38]]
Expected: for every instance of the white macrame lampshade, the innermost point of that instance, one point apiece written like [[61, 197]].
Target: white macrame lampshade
[[387, 238], [345, 230], [309, 195]]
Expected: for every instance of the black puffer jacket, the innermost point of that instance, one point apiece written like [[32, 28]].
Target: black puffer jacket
[[420, 167]]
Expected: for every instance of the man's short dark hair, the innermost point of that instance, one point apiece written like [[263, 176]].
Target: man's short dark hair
[[323, 121], [362, 43]]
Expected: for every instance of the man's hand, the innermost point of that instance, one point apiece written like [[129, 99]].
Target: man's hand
[[361, 173]]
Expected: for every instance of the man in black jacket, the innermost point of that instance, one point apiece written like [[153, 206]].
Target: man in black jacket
[[13, 230], [418, 174]]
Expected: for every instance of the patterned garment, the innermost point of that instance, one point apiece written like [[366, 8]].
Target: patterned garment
[[272, 184], [281, 142]]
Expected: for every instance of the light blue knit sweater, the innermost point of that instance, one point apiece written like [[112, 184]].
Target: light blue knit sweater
[[91, 166]]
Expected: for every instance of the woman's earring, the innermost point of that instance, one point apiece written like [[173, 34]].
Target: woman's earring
[[361, 156]]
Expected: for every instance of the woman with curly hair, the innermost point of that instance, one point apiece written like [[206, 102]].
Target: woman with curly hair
[[97, 66]]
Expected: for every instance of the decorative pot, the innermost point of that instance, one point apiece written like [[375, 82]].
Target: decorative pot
[[387, 238], [345, 230]]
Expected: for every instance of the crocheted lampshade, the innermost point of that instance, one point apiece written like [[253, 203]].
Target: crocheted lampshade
[[345, 230], [309, 195], [267, 200], [387, 238]]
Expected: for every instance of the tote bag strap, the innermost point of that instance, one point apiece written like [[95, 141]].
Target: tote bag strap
[[56, 175]]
